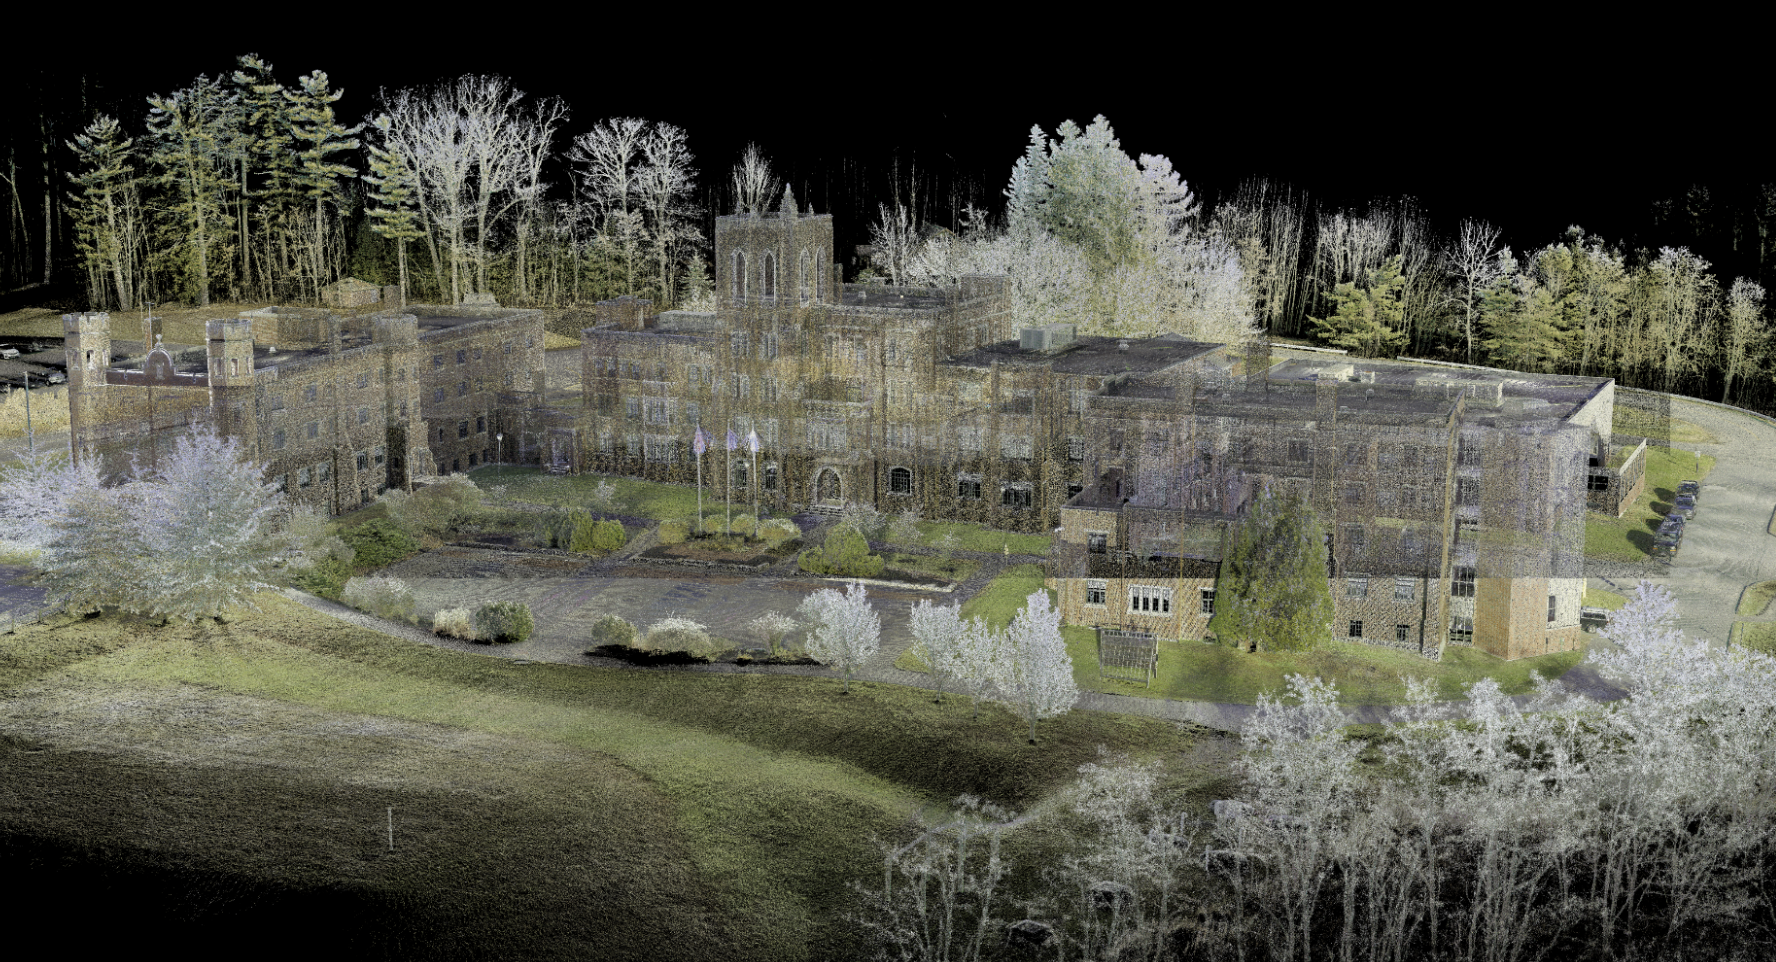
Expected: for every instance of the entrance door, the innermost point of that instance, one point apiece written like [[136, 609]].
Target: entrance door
[[827, 487]]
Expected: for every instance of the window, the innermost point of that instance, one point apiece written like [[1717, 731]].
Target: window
[[693, 412], [1597, 482], [739, 277], [1461, 630], [480, 385], [1208, 601], [1353, 454], [437, 361], [900, 481], [462, 389], [1551, 609], [481, 425], [437, 394], [477, 354], [1298, 450], [768, 280], [403, 409], [1015, 446], [364, 379], [1467, 490], [275, 402], [378, 456], [1357, 538], [456, 464], [508, 379], [471, 459], [1356, 629], [1402, 633], [507, 347], [1094, 592], [657, 411], [740, 476], [1356, 588], [1015, 496], [462, 429], [1353, 494], [1145, 599], [968, 486], [1405, 588], [1073, 490], [1463, 583], [363, 415], [304, 477], [770, 477], [309, 394], [462, 357], [632, 408], [363, 460], [323, 472], [1076, 449], [312, 429], [1096, 541]]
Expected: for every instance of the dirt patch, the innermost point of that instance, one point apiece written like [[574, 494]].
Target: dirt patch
[[676, 574], [191, 725], [681, 552]]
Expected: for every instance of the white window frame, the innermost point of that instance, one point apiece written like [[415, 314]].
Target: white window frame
[[1149, 600]]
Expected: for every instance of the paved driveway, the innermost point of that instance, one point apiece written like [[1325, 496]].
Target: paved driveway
[[1727, 546]]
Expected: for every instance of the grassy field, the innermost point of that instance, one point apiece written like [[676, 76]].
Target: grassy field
[[1756, 635], [957, 569], [973, 537], [1194, 671], [1630, 537], [1627, 420], [645, 499], [540, 811], [1755, 603], [1607, 600]]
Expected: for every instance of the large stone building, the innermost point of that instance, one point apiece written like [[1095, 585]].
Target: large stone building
[[338, 408], [1455, 496]]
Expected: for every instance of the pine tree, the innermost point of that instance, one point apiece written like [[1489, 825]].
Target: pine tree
[[1368, 321], [269, 181], [396, 196], [106, 206], [320, 136], [189, 129], [1272, 590]]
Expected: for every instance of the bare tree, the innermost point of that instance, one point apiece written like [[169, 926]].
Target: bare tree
[[1473, 263], [895, 237], [752, 182], [1746, 331]]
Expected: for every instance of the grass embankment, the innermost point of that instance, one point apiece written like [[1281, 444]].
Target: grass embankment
[[1755, 635], [540, 811], [1607, 600], [1195, 671], [1643, 424], [1630, 537], [1755, 602]]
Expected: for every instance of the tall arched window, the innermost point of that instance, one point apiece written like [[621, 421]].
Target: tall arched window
[[818, 285], [900, 481], [804, 274], [739, 277], [768, 283]]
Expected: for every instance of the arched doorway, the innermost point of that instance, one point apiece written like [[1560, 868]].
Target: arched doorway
[[826, 487]]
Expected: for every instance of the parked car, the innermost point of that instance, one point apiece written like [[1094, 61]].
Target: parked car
[[1685, 505], [1664, 551], [1671, 528], [1691, 488], [57, 377], [9, 352]]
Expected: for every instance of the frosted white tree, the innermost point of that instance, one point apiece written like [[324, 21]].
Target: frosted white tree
[[1034, 673], [193, 540], [846, 631], [753, 184], [937, 634], [895, 236], [37, 490]]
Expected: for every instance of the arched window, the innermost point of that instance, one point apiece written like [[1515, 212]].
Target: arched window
[[804, 273], [900, 481], [739, 277], [770, 477], [768, 282], [818, 285]]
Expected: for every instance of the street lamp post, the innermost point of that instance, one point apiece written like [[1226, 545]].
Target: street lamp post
[[499, 441]]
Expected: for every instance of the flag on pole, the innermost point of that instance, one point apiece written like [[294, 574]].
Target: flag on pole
[[752, 440], [699, 441], [733, 442]]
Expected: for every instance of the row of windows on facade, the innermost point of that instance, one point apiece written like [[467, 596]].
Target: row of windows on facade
[[464, 355], [456, 464], [322, 473], [810, 268], [312, 430], [311, 392], [1245, 448]]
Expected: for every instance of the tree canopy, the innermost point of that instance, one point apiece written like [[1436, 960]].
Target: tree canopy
[[1272, 589]]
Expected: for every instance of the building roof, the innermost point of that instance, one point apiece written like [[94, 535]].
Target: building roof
[[1091, 355]]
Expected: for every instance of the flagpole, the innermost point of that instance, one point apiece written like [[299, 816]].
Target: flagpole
[[728, 492], [752, 442], [697, 449]]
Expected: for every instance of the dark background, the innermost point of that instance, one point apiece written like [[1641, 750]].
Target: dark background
[[1514, 117]]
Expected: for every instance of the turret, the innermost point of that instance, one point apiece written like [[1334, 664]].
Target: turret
[[230, 353], [87, 345]]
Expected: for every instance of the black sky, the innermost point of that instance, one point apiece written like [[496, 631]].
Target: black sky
[[1532, 128]]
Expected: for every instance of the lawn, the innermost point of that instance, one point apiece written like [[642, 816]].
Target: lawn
[[636, 497], [1639, 423], [1756, 600], [1755, 635], [955, 569], [1630, 537], [1607, 600], [974, 537], [539, 810], [1194, 671]]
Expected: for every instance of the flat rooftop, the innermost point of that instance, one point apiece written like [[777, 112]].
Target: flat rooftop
[[1091, 355]]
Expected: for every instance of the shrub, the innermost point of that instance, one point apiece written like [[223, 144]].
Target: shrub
[[674, 532], [434, 509], [580, 541], [613, 630], [382, 597], [779, 530], [771, 627], [608, 536], [603, 496], [325, 579], [865, 518], [904, 529], [454, 623], [378, 543], [845, 553], [503, 621], [742, 524], [680, 634]]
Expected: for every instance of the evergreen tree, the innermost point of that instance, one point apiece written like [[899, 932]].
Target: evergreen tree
[[107, 208], [1272, 590], [1368, 321], [269, 182], [320, 136], [396, 196], [190, 129]]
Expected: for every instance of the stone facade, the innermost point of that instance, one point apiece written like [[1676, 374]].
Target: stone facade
[[339, 409]]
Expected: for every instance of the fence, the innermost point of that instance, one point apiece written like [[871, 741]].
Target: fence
[[1127, 656]]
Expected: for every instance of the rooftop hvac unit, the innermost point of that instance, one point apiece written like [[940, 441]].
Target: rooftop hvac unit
[[1034, 339], [1366, 377]]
